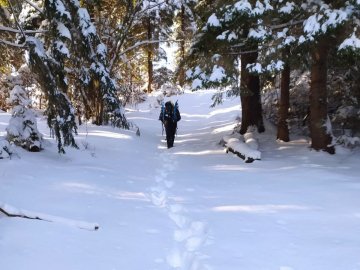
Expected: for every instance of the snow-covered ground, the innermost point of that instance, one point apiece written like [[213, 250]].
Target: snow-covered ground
[[192, 207]]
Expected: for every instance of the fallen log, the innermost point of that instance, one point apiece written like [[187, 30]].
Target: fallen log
[[11, 211], [245, 148]]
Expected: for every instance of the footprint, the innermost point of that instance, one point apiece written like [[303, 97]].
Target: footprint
[[194, 243], [181, 235], [174, 259], [176, 208], [159, 198], [169, 184], [169, 166], [180, 220], [159, 179], [161, 173]]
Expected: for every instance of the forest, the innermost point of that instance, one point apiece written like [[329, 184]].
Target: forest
[[295, 63]]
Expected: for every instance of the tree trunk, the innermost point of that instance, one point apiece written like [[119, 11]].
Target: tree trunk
[[149, 58], [250, 95], [181, 76], [97, 102], [282, 128], [319, 130]]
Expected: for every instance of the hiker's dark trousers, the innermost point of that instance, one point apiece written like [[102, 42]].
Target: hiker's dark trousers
[[170, 129]]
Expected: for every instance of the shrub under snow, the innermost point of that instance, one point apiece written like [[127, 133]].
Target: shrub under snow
[[22, 129], [5, 151]]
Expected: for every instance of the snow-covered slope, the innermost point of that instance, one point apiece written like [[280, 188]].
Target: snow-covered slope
[[191, 207]]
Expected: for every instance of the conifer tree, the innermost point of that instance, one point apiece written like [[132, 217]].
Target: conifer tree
[[156, 20], [327, 26], [98, 89], [184, 30], [22, 129], [229, 32], [49, 69]]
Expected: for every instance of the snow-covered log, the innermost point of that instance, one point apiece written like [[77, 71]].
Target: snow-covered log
[[11, 211], [245, 147]]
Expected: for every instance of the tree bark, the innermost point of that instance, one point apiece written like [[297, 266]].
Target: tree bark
[[149, 58], [250, 96], [181, 76], [320, 135], [282, 128]]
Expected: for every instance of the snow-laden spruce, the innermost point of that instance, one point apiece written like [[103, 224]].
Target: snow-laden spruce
[[22, 129]]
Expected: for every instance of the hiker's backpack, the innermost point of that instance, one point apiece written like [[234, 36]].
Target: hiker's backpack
[[169, 111]]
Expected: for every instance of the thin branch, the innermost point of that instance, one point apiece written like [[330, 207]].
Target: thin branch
[[240, 53], [9, 214], [13, 30], [146, 42], [34, 6], [125, 30], [291, 23], [16, 20], [12, 44]]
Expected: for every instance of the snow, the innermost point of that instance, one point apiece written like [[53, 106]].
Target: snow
[[243, 6], [63, 30], [86, 26], [101, 49], [32, 215], [39, 47], [18, 95], [259, 33], [288, 8], [213, 21], [289, 40], [243, 148], [61, 9], [302, 39], [334, 19], [62, 48], [232, 36], [197, 83], [5, 149], [190, 207], [312, 25], [352, 42], [275, 66], [218, 74], [255, 68], [223, 35]]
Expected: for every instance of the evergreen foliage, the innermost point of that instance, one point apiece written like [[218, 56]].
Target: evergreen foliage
[[22, 129]]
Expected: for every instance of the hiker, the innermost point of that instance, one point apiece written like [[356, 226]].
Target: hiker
[[169, 116]]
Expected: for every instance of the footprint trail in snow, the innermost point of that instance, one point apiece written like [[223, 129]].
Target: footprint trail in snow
[[189, 236]]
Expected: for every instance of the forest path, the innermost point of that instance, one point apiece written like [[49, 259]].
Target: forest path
[[195, 137], [188, 234]]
